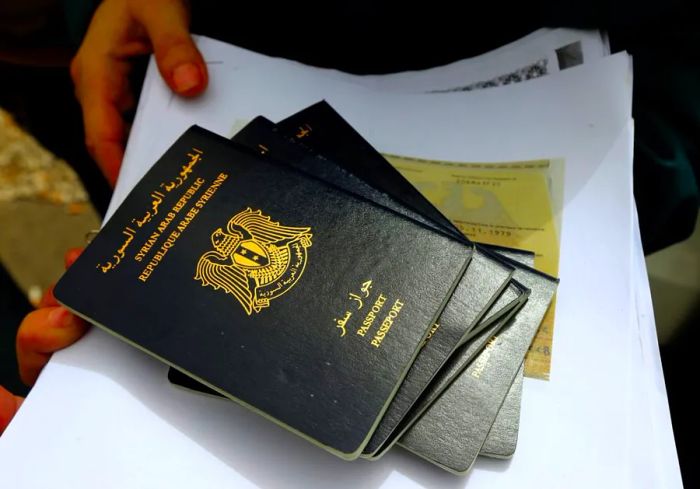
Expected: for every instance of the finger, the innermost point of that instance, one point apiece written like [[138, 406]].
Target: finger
[[49, 329], [30, 366], [102, 87], [42, 332], [180, 63], [9, 404], [100, 73], [48, 299], [72, 255], [104, 133]]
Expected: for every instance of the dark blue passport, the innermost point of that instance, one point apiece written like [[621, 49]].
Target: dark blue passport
[[293, 297]]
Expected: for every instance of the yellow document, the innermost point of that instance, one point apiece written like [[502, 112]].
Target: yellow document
[[515, 204]]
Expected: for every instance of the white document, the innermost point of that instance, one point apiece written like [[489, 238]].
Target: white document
[[544, 52], [241, 84], [104, 415], [650, 417]]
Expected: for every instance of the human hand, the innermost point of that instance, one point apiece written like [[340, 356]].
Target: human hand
[[47, 329], [119, 31], [9, 404]]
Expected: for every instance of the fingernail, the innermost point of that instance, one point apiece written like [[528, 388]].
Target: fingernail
[[60, 318], [186, 77]]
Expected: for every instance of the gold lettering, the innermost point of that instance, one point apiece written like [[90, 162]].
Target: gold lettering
[[188, 195], [387, 323], [303, 131], [483, 359], [164, 223], [342, 323], [432, 331], [147, 246], [182, 225], [187, 219], [211, 190], [372, 315]]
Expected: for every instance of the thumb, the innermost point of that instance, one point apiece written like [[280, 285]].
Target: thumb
[[179, 61], [41, 333]]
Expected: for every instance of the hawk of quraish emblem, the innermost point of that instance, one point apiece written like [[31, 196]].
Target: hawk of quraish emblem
[[254, 259]]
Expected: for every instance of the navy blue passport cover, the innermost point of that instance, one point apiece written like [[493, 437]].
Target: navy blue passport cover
[[256, 279]]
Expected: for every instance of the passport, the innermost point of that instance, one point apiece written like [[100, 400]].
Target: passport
[[256, 280], [503, 436], [498, 316], [481, 285], [262, 137], [452, 432], [319, 126], [485, 283], [464, 312], [305, 181]]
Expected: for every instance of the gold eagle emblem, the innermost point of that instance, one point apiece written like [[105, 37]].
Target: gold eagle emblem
[[254, 259]]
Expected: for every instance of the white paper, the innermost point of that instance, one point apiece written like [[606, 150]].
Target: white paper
[[650, 417], [537, 48]]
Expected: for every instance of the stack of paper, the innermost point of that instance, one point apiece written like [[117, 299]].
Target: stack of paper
[[602, 418]]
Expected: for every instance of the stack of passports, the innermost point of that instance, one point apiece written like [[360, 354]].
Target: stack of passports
[[293, 270]]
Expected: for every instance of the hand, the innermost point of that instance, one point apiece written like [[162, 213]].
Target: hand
[[120, 30], [9, 405], [46, 330]]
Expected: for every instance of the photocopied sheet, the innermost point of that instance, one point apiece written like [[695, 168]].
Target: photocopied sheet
[[512, 204]]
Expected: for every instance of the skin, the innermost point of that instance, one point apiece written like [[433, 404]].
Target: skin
[[9, 405], [119, 31], [47, 329]]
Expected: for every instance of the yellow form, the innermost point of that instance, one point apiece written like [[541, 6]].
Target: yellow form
[[514, 204]]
